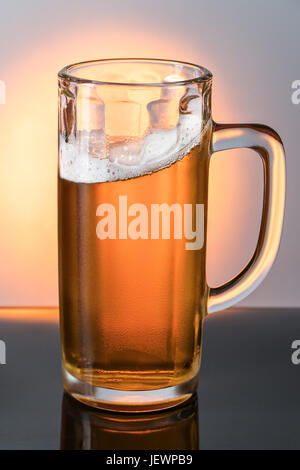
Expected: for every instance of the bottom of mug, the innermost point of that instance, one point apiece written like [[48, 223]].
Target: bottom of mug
[[128, 401]]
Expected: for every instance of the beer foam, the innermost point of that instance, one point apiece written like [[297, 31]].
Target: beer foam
[[133, 157]]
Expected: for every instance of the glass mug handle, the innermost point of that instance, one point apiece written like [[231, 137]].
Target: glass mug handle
[[267, 143]]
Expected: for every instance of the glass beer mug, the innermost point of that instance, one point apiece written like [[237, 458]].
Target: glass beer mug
[[135, 142]]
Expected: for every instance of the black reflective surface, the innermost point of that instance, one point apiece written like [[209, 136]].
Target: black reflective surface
[[85, 428], [248, 396]]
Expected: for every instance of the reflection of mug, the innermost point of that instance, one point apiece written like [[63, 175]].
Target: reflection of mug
[[136, 137], [86, 428]]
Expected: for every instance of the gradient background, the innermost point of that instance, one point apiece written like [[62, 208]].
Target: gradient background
[[252, 48]]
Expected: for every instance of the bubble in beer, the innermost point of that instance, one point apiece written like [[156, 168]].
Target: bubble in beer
[[129, 158]]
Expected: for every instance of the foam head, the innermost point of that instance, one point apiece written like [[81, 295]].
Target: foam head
[[144, 135]]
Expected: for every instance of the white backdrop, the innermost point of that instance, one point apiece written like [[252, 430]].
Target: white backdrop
[[252, 48]]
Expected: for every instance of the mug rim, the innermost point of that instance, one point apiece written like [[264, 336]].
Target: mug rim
[[204, 74]]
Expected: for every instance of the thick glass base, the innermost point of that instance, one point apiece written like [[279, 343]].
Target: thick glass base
[[128, 401]]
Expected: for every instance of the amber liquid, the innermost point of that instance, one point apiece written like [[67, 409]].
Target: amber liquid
[[131, 310]]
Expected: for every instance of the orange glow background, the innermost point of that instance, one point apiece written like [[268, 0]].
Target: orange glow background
[[28, 163]]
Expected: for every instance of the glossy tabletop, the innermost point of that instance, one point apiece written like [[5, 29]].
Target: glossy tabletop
[[248, 394]]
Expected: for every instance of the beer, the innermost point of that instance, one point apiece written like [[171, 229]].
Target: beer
[[131, 309]]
